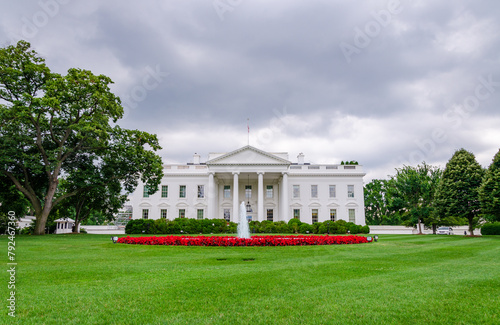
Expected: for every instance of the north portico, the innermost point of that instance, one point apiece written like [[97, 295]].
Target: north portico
[[249, 169], [275, 188]]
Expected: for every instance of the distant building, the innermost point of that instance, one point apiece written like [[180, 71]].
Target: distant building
[[272, 187], [64, 225]]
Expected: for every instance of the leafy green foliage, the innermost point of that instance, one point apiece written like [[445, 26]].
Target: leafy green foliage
[[53, 125], [457, 193], [12, 199], [352, 162], [306, 228], [492, 228], [489, 191], [378, 203], [412, 191], [294, 225], [220, 226], [180, 226]]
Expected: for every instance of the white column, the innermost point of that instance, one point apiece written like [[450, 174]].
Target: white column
[[284, 198], [212, 209], [236, 204], [260, 197]]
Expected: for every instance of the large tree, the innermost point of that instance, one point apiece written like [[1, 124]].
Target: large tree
[[489, 192], [48, 120], [457, 193], [378, 201], [412, 193]]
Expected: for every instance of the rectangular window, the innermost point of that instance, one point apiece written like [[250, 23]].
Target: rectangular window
[[145, 191], [314, 215], [333, 214], [201, 191], [352, 215], [296, 191], [314, 191], [163, 213], [248, 191], [333, 191], [270, 214], [199, 214], [145, 213], [350, 190], [296, 213], [182, 213], [269, 191], [227, 214], [182, 191], [164, 191], [227, 191]]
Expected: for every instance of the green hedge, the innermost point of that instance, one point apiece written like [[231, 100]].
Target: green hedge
[[180, 226], [221, 226], [492, 228]]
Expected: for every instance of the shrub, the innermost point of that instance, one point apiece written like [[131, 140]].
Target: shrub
[[140, 226], [315, 227], [354, 229], [160, 226], [365, 230], [255, 227], [491, 228], [294, 225], [282, 227], [218, 226], [305, 228]]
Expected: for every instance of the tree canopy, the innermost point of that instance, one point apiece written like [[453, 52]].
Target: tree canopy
[[457, 192], [489, 192], [413, 193], [51, 124], [378, 203]]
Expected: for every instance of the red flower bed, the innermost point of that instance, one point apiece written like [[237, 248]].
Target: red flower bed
[[236, 241]]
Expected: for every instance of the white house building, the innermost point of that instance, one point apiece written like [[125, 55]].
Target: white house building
[[274, 188]]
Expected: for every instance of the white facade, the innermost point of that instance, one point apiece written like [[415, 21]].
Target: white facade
[[276, 189], [65, 226]]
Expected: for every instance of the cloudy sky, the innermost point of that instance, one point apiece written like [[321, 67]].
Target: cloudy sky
[[385, 83]]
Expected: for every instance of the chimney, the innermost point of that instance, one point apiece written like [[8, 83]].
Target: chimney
[[300, 158], [196, 159]]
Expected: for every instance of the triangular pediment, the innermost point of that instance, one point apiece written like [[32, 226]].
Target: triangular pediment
[[248, 156]]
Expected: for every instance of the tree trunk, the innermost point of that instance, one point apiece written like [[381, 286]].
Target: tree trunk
[[41, 218], [419, 227], [41, 221], [471, 227], [434, 229], [75, 226]]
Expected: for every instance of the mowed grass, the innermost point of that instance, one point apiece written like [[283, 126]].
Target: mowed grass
[[86, 279]]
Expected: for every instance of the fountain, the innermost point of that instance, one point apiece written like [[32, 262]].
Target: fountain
[[243, 230]]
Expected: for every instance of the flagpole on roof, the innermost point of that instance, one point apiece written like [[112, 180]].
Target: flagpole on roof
[[248, 128]]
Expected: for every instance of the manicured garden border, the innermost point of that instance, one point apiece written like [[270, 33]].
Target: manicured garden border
[[236, 241]]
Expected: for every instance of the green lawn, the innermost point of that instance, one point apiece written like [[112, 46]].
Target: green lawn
[[86, 279]]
